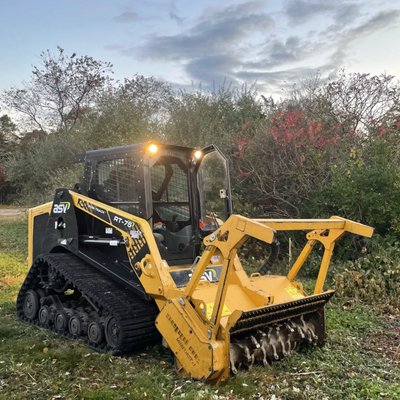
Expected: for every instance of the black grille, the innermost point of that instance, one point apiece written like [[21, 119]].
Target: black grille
[[170, 191], [119, 184]]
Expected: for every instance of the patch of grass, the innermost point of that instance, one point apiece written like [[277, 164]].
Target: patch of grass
[[13, 269], [359, 361], [342, 369], [13, 238], [360, 320], [11, 266], [38, 364]]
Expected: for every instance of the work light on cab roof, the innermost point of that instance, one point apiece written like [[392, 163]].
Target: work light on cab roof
[[152, 148]]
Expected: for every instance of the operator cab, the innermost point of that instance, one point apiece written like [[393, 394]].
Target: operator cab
[[184, 193]]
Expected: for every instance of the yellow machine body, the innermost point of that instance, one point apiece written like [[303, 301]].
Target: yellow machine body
[[197, 321]]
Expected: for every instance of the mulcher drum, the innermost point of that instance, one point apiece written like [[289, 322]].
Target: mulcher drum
[[265, 316]]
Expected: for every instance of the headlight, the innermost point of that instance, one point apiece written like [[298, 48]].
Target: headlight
[[153, 148]]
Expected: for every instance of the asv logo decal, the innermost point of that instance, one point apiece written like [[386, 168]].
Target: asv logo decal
[[208, 275], [62, 207]]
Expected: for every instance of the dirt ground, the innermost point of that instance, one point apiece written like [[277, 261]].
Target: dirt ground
[[12, 213]]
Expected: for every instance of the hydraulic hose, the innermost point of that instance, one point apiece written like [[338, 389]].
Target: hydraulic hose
[[271, 259]]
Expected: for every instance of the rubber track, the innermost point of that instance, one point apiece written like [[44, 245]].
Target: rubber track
[[135, 316]]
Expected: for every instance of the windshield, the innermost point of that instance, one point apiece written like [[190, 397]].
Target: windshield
[[169, 185], [214, 188]]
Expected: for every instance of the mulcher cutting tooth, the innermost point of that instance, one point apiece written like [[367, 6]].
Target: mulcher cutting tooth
[[280, 335], [297, 327], [288, 325], [236, 356], [252, 344], [308, 330], [260, 354], [290, 343], [273, 341], [241, 353]]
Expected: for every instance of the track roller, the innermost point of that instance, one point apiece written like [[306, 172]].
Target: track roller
[[75, 326], [112, 332], [95, 333], [31, 304], [61, 320], [44, 316]]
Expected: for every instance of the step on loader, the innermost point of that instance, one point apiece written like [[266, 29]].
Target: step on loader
[[145, 249]]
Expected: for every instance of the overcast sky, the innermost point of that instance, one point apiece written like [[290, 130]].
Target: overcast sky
[[274, 43]]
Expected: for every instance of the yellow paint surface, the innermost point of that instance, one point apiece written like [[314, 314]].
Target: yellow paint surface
[[209, 309], [294, 292]]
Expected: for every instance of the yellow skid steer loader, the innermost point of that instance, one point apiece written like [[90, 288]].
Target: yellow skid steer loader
[[146, 249]]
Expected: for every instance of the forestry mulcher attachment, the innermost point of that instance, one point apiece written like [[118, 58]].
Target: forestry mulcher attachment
[[146, 248]]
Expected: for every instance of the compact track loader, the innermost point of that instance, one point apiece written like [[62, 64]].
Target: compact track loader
[[146, 249]]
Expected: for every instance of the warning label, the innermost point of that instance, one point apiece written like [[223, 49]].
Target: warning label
[[210, 307], [294, 292]]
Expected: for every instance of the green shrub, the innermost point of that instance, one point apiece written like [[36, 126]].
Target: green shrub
[[373, 278], [43, 166], [365, 187]]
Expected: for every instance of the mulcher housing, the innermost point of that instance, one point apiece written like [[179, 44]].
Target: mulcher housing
[[146, 247]]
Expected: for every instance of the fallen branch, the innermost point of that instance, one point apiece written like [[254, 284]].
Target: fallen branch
[[305, 373]]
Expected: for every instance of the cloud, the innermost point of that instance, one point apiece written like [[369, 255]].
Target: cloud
[[174, 14], [272, 81], [346, 14], [246, 43], [213, 68], [302, 11], [279, 76], [277, 52], [127, 17], [333, 41], [215, 33], [212, 48], [380, 21], [340, 40]]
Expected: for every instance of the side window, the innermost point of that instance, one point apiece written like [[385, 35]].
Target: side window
[[158, 181], [213, 182], [178, 185], [170, 191], [118, 183]]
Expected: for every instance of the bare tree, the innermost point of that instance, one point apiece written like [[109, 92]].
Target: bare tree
[[358, 101], [59, 91]]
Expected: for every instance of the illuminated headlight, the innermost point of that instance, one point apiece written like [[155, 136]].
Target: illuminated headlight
[[198, 154], [153, 148]]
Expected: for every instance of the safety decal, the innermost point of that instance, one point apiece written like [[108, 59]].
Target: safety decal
[[210, 307], [294, 292], [99, 212]]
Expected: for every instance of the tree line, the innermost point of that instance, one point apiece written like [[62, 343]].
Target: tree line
[[329, 147]]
